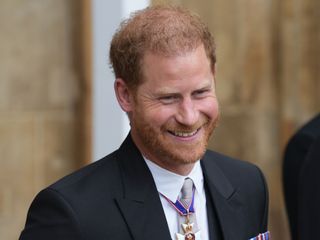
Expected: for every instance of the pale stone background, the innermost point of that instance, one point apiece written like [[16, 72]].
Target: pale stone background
[[268, 84], [41, 92]]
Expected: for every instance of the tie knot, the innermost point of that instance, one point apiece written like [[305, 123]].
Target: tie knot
[[186, 190]]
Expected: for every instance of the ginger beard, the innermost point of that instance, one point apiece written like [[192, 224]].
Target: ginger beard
[[160, 147]]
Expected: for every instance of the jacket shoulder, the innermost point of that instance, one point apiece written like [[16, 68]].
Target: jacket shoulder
[[106, 166], [229, 164]]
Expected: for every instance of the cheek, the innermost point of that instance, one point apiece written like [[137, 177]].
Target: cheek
[[210, 108], [160, 116]]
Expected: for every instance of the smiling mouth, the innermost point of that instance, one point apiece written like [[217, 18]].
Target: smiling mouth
[[184, 133]]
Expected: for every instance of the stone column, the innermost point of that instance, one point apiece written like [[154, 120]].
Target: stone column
[[39, 102]]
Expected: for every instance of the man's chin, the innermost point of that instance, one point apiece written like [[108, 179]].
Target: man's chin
[[185, 158]]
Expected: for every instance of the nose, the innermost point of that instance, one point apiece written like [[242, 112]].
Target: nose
[[187, 113]]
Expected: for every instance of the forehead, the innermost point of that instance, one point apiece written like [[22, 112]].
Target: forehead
[[184, 66]]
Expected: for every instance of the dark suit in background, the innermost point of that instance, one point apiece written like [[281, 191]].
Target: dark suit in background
[[301, 180], [116, 198]]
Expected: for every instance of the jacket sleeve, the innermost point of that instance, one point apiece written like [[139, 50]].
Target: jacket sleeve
[[50, 217]]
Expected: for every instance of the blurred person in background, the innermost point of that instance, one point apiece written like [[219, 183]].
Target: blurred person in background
[[301, 180]]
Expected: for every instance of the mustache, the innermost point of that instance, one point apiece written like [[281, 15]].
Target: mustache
[[178, 127]]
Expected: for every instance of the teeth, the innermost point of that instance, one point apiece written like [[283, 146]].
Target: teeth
[[185, 134]]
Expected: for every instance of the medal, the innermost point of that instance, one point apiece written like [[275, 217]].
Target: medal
[[188, 233], [186, 211]]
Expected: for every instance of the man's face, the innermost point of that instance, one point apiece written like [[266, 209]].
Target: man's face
[[175, 109]]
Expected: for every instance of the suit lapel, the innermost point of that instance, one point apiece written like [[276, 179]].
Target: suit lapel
[[140, 204], [226, 201], [141, 207]]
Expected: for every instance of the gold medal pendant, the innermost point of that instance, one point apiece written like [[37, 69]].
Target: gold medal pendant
[[188, 234]]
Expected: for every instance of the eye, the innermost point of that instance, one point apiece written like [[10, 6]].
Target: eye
[[201, 93], [168, 99]]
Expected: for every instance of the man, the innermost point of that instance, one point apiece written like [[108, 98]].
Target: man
[[161, 183], [301, 180]]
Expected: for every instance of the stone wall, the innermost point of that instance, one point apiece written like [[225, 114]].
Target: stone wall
[[40, 92]]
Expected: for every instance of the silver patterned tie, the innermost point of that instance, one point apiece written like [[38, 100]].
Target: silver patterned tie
[[187, 224]]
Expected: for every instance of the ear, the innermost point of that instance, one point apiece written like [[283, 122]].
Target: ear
[[123, 95]]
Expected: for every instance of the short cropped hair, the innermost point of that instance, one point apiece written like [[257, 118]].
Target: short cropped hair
[[163, 30]]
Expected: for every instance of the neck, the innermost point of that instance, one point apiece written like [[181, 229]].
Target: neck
[[180, 169]]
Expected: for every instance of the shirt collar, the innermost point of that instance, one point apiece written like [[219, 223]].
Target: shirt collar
[[169, 184]]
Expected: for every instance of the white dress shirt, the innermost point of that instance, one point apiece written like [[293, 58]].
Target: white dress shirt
[[170, 184]]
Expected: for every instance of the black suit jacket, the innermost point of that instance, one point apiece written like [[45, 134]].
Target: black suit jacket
[[301, 180], [116, 198]]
